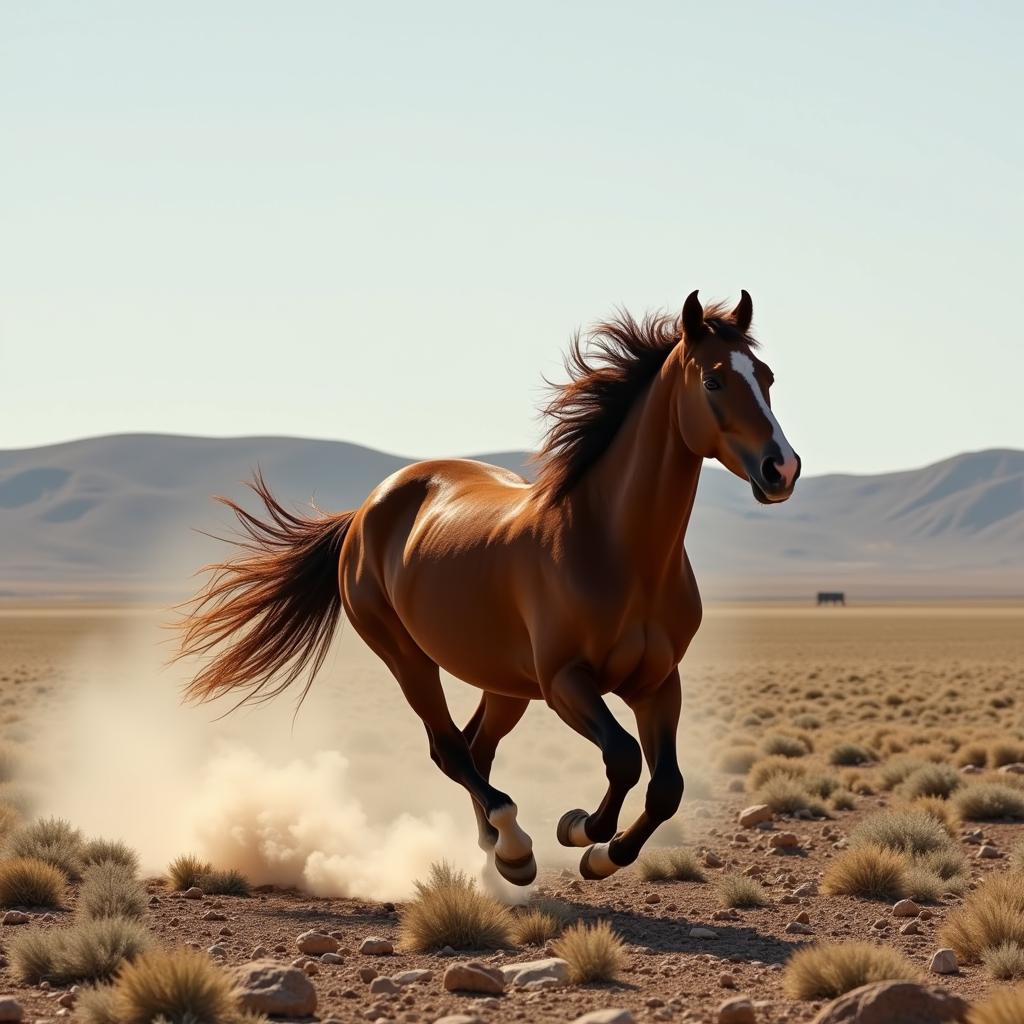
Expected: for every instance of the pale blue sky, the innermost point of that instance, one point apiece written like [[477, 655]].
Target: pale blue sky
[[381, 222]]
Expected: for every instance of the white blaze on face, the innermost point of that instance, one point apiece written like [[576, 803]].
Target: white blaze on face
[[744, 366]]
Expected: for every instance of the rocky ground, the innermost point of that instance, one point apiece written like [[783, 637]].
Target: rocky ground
[[687, 954]]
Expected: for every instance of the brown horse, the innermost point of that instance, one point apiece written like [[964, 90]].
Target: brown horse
[[565, 589]]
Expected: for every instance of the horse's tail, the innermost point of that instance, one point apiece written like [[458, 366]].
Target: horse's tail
[[269, 613]]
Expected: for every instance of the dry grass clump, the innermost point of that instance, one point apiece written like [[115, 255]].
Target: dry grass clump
[[904, 830], [672, 864], [871, 872], [1005, 962], [28, 882], [941, 810], [787, 796], [931, 780], [224, 883], [741, 891], [843, 800], [737, 760], [769, 768], [536, 925], [897, 770], [449, 910], [10, 818], [991, 915], [849, 755], [110, 851], [1004, 1006], [594, 952], [779, 745], [89, 950], [971, 753], [989, 801], [186, 871], [53, 840], [110, 889], [1005, 752], [827, 971]]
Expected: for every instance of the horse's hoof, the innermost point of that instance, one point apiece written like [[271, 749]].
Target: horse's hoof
[[521, 872], [571, 829], [596, 863]]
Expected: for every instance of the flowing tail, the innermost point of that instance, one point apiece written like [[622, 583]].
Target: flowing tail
[[269, 613]]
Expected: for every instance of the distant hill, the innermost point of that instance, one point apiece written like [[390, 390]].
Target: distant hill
[[115, 518]]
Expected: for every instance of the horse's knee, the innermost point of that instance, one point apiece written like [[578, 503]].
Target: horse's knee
[[623, 762], [664, 794]]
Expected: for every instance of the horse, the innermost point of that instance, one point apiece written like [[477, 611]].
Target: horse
[[565, 589]]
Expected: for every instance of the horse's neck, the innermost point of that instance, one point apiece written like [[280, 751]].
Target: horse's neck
[[642, 488]]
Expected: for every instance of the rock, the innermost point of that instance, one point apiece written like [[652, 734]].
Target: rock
[[214, 915], [367, 974], [474, 976], [807, 889], [373, 945], [906, 908], [803, 917], [783, 841], [943, 962], [652, 898], [15, 917], [10, 1009], [314, 943], [886, 1002], [536, 970], [411, 977], [195, 893], [910, 928], [971, 769], [799, 928], [702, 933], [216, 950], [459, 1018], [265, 986], [606, 1017], [1017, 768], [988, 852], [331, 958], [712, 860], [383, 987], [726, 981], [736, 1011], [751, 817]]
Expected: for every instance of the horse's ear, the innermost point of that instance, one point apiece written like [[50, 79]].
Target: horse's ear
[[693, 317], [744, 312]]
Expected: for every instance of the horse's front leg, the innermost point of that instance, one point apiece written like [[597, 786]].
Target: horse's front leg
[[575, 696], [657, 718]]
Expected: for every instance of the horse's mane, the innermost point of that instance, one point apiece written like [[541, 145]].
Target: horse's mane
[[608, 370]]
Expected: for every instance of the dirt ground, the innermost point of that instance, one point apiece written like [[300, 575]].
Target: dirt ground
[[920, 681]]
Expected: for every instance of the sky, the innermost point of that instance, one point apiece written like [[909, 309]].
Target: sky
[[382, 222]]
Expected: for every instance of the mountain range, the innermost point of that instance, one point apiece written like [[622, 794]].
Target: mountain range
[[119, 518]]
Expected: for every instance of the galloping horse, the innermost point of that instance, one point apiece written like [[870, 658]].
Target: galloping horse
[[565, 589]]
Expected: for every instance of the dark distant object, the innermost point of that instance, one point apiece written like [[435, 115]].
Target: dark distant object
[[831, 597]]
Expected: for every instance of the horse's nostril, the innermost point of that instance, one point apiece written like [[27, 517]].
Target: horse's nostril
[[769, 473]]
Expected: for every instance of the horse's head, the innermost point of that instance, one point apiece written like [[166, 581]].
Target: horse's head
[[725, 410]]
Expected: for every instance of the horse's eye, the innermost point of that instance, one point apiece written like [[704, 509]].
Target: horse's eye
[[711, 384]]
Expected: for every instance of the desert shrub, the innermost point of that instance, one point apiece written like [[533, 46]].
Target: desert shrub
[[449, 910], [949, 864], [1004, 1006], [827, 971], [224, 883], [989, 801], [174, 985], [1005, 752], [923, 885], [593, 952], [10, 818], [185, 872], [672, 864], [807, 721], [741, 891], [96, 1005], [737, 760], [941, 810], [110, 851], [769, 768], [110, 889], [89, 950], [535, 927], [843, 800], [849, 754], [971, 753], [820, 784], [906, 831], [787, 796], [1005, 961], [1017, 856], [871, 872], [779, 745], [990, 916], [897, 770], [28, 882], [931, 780], [53, 840]]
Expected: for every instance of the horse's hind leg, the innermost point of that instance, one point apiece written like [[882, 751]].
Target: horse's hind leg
[[420, 681], [495, 717]]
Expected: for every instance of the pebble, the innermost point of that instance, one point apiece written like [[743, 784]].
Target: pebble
[[15, 917], [906, 908], [803, 917], [944, 962], [216, 950], [474, 976], [712, 860], [194, 893], [807, 889], [702, 933], [314, 943], [259, 953], [652, 898], [726, 981], [411, 977], [331, 958], [459, 1018], [609, 1016], [383, 986], [214, 915], [373, 945], [910, 928], [367, 974], [783, 841], [798, 928], [552, 970], [10, 1009], [988, 852], [270, 988], [752, 816], [736, 1011]]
